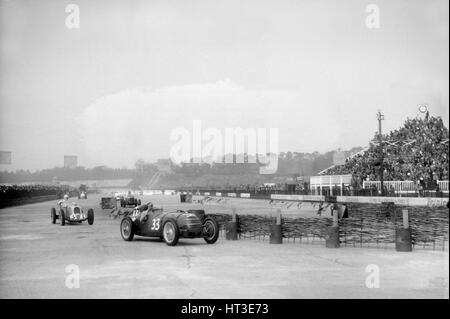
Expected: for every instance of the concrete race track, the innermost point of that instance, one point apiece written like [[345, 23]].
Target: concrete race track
[[35, 254]]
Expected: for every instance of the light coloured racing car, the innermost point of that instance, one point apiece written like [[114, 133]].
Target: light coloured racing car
[[71, 212]]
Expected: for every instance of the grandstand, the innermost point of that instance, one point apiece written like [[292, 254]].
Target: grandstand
[[415, 158]]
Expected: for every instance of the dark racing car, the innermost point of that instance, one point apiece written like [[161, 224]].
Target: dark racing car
[[108, 202], [129, 200], [148, 221]]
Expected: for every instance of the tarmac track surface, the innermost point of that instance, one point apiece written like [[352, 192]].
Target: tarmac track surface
[[35, 259]]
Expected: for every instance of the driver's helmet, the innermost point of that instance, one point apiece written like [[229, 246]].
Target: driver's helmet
[[145, 207], [66, 197]]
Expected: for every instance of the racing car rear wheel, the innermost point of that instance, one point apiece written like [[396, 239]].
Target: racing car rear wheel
[[53, 215], [211, 230], [90, 216], [171, 233], [126, 229], [62, 216]]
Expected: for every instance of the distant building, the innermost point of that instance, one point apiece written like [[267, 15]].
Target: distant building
[[70, 161]]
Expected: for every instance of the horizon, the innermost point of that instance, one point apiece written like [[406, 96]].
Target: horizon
[[180, 164]]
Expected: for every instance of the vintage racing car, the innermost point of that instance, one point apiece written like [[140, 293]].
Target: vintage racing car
[[129, 200], [145, 220], [71, 212], [108, 202], [82, 192], [82, 195]]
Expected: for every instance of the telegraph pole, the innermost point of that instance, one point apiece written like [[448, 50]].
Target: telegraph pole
[[380, 117]]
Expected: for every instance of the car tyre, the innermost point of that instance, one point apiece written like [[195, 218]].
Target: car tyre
[[126, 229], [211, 229], [90, 216], [62, 216], [171, 233], [53, 215]]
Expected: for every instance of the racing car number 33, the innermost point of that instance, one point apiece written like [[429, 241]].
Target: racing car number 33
[[155, 224]]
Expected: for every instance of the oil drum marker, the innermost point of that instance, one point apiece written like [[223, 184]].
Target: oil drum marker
[[332, 236], [403, 234], [275, 230], [231, 227]]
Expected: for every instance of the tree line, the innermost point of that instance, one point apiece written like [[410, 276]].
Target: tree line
[[289, 164]]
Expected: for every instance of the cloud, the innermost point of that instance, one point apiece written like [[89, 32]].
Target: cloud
[[136, 123]]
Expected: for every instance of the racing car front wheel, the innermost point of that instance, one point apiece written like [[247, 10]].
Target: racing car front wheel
[[171, 233], [126, 229], [62, 216], [211, 230], [90, 216], [53, 215]]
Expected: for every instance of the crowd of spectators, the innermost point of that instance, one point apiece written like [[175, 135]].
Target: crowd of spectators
[[11, 192], [261, 189], [418, 151]]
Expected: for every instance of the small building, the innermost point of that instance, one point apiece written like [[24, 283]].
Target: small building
[[330, 184]]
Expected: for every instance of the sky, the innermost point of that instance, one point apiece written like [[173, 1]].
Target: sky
[[113, 90]]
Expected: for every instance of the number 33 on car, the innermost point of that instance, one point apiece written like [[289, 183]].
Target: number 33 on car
[[153, 222]]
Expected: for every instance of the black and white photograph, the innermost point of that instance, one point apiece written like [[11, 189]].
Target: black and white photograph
[[224, 150]]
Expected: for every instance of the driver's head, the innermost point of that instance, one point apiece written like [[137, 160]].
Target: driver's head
[[66, 197]]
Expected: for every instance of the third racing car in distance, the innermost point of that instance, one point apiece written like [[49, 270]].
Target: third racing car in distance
[[129, 200], [145, 220]]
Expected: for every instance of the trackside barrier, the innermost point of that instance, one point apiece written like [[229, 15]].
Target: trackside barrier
[[402, 186], [231, 227], [385, 225], [276, 236], [332, 236], [398, 186]]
